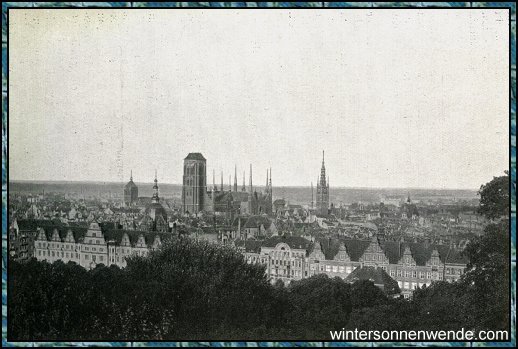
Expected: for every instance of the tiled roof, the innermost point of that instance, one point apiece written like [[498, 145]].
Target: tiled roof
[[295, 242], [421, 252], [377, 275], [133, 235], [253, 246], [77, 232], [257, 221], [194, 156]]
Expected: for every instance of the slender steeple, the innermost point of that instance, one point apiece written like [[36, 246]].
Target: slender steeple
[[213, 179], [235, 178], [229, 182], [311, 194], [250, 183], [155, 198], [266, 180], [131, 175], [323, 172], [270, 185], [221, 188], [244, 185]]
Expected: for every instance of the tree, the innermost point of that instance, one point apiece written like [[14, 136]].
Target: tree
[[494, 197], [487, 275], [319, 304]]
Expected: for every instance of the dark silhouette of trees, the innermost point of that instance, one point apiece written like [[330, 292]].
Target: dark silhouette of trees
[[494, 197]]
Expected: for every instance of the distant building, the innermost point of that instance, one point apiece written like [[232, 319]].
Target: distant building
[[322, 192], [130, 192], [156, 216]]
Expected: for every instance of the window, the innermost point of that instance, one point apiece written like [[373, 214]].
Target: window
[[428, 275], [414, 274]]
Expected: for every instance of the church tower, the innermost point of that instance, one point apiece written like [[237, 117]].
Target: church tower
[[194, 183], [322, 191], [130, 192]]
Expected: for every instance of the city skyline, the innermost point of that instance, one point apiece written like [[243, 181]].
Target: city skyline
[[428, 115]]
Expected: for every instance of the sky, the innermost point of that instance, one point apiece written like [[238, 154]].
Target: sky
[[396, 98]]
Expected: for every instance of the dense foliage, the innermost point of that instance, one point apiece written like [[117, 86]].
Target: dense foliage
[[197, 290]]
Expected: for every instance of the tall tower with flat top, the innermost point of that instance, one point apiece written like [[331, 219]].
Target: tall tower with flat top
[[194, 183]]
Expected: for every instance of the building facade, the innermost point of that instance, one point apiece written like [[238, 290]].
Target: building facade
[[94, 246], [411, 265]]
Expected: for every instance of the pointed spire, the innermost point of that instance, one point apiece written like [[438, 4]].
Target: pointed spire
[[155, 198], [270, 189], [131, 175], [235, 178], [266, 179], [244, 184], [221, 188], [311, 194], [213, 179], [250, 182], [229, 182]]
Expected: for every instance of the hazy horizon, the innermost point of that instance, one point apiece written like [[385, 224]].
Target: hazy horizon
[[209, 185], [94, 94]]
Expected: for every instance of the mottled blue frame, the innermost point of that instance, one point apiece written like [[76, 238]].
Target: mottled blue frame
[[512, 164]]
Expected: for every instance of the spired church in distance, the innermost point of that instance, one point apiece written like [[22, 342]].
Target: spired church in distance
[[198, 197], [322, 208]]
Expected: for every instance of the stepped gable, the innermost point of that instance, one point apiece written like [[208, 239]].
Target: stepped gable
[[393, 250], [77, 232], [133, 235]]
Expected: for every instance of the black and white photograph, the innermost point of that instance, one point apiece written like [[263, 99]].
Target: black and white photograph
[[268, 174]]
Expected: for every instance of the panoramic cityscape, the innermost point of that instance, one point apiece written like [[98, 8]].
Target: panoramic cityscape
[[402, 243], [236, 175]]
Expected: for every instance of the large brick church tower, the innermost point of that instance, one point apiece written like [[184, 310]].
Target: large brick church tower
[[194, 183]]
